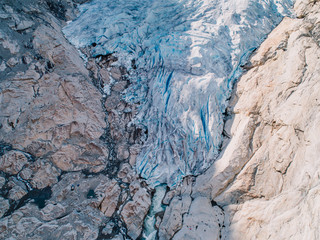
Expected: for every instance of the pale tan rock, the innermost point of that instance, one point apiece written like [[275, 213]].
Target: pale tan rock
[[9, 44], [268, 175], [3, 66], [3, 227], [232, 161], [24, 24], [44, 175], [304, 7], [104, 75], [63, 121], [50, 109], [134, 152], [16, 217], [116, 73], [168, 197], [202, 221], [180, 201], [126, 173], [93, 68], [27, 225], [119, 86], [12, 162], [122, 152], [52, 106], [53, 46], [12, 62], [110, 198], [118, 126], [112, 101], [51, 211], [134, 211], [26, 173], [65, 158], [172, 219]]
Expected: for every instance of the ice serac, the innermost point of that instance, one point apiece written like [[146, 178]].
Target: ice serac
[[183, 57]]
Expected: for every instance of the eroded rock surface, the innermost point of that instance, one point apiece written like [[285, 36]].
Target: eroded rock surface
[[266, 182], [68, 146], [65, 139], [135, 210]]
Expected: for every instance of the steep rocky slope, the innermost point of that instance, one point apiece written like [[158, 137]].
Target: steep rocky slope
[[64, 147], [266, 183], [67, 148]]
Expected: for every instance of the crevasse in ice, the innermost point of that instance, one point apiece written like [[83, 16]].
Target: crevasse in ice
[[187, 55]]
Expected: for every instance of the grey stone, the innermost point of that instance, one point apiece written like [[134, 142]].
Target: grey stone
[[13, 161], [2, 181], [4, 206]]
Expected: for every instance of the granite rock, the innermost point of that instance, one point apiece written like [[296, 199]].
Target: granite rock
[[13, 161], [135, 210], [266, 179]]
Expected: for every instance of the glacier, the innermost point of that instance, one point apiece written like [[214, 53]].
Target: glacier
[[183, 58]]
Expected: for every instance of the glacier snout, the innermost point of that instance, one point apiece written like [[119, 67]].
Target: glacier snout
[[187, 55]]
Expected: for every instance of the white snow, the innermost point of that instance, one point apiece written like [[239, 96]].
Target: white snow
[[188, 55]]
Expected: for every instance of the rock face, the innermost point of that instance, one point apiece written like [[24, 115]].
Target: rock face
[[49, 107], [68, 146], [63, 141], [136, 209], [13, 162], [266, 182]]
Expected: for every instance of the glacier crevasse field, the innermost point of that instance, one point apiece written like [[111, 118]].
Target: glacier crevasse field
[[187, 56]]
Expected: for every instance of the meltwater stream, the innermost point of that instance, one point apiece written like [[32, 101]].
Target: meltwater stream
[[183, 57], [150, 231]]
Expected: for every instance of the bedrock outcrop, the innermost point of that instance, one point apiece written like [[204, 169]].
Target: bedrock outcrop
[[67, 146], [64, 146], [266, 183]]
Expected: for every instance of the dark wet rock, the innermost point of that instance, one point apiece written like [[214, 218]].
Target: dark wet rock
[[57, 8]]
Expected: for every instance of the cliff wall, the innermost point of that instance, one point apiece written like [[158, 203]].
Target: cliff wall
[[265, 185]]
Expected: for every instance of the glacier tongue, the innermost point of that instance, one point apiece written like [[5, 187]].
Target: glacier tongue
[[183, 57]]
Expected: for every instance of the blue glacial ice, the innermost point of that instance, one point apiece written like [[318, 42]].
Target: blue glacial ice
[[187, 56]]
